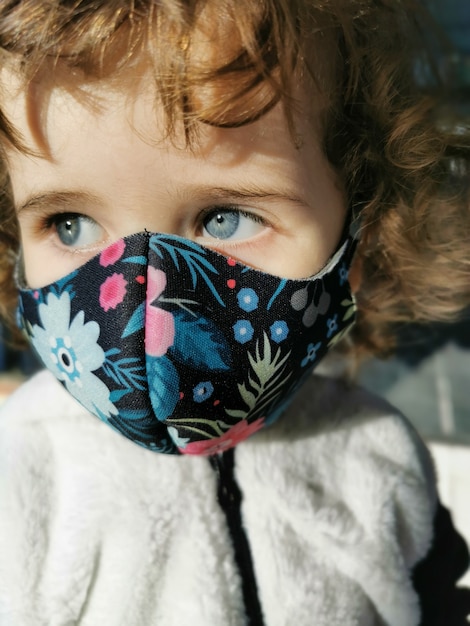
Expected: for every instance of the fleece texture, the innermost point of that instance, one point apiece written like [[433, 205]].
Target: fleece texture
[[338, 504]]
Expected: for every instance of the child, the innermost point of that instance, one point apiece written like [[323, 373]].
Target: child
[[186, 184]]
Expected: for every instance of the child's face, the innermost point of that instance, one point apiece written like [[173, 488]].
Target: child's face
[[107, 171]]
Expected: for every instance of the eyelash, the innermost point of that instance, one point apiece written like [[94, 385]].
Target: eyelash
[[47, 226], [49, 222], [227, 208]]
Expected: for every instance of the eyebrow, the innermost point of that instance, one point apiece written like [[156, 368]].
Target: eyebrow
[[247, 193], [58, 199], [73, 201]]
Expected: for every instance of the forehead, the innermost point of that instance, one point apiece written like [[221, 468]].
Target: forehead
[[102, 133], [55, 103]]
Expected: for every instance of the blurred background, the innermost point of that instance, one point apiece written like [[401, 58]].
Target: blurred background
[[429, 378]]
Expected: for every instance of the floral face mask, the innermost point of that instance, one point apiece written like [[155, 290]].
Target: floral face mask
[[180, 348]]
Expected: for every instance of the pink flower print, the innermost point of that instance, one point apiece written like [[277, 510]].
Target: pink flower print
[[112, 292], [231, 438], [159, 324], [112, 253]]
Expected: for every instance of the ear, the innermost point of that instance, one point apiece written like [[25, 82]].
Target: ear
[[355, 273]]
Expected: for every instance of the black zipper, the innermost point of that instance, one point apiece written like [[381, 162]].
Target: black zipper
[[230, 498]]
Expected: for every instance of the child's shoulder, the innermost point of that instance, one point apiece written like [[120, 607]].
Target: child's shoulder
[[340, 434], [357, 446], [346, 473], [333, 422]]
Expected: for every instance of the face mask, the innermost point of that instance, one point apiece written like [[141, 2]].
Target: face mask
[[180, 348]]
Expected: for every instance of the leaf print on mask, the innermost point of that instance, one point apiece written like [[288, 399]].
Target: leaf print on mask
[[241, 431], [350, 305], [127, 372], [70, 350], [179, 442], [266, 379], [159, 324], [136, 321], [193, 255], [164, 382], [280, 287], [200, 343]]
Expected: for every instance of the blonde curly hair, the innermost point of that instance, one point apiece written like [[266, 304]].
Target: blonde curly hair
[[403, 171]]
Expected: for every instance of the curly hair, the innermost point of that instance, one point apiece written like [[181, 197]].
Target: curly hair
[[228, 62]]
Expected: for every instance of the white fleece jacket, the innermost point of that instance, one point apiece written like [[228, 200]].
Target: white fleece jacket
[[338, 503]]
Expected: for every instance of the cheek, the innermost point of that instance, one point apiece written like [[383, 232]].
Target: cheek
[[301, 256], [44, 264], [330, 215], [40, 268]]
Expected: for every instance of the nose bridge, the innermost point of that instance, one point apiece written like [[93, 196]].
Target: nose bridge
[[154, 207]]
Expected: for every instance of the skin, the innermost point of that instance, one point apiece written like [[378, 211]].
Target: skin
[[103, 168]]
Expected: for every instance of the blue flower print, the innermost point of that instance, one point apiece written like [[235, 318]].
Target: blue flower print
[[203, 391], [70, 350], [343, 274], [243, 331], [332, 324], [311, 353], [247, 299], [279, 331]]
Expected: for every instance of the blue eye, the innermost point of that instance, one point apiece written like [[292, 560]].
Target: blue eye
[[75, 230], [231, 224]]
